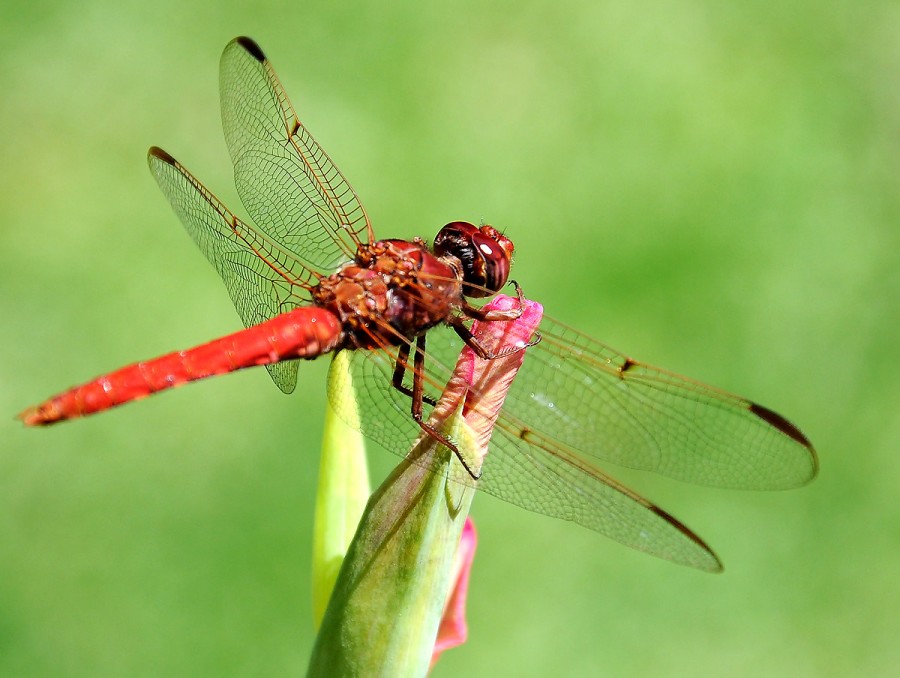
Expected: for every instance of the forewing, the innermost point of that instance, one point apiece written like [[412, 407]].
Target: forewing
[[286, 181], [577, 392], [247, 261]]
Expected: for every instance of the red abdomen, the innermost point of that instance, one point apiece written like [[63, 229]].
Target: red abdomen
[[305, 332]]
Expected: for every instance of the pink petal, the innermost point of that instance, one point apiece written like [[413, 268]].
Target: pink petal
[[453, 629]]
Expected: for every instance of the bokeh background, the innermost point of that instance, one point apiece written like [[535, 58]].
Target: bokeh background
[[710, 186]]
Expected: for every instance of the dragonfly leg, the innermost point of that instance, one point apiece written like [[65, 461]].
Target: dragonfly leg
[[480, 314], [399, 372], [417, 394], [460, 327]]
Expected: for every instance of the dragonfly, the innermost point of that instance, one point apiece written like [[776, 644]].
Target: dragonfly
[[310, 278]]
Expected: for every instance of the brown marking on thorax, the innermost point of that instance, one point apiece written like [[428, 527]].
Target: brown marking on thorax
[[397, 282]]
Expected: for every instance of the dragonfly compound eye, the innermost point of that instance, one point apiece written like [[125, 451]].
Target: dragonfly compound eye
[[485, 254]]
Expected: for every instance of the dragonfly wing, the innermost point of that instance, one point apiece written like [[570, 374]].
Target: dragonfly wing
[[548, 480], [285, 179], [259, 289], [555, 481], [577, 392]]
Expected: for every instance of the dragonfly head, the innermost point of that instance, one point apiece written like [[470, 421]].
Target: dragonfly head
[[484, 252]]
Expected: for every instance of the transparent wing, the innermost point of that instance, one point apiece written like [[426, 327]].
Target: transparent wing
[[262, 279], [308, 217], [578, 392], [550, 480], [286, 181], [576, 403], [574, 392], [556, 481]]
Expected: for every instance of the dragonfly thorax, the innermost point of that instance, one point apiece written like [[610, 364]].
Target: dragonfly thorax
[[391, 293]]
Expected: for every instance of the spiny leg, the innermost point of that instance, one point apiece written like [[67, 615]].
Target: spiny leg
[[476, 313], [400, 371], [493, 315], [459, 326], [417, 395]]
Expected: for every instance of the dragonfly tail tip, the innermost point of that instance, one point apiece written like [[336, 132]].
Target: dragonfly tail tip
[[30, 417]]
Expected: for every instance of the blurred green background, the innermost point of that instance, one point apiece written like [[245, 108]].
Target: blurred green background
[[709, 186]]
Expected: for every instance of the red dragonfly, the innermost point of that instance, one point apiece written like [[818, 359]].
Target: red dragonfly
[[311, 278]]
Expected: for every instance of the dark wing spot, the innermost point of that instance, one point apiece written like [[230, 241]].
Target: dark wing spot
[[627, 365], [780, 423], [250, 45], [687, 532], [160, 154]]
